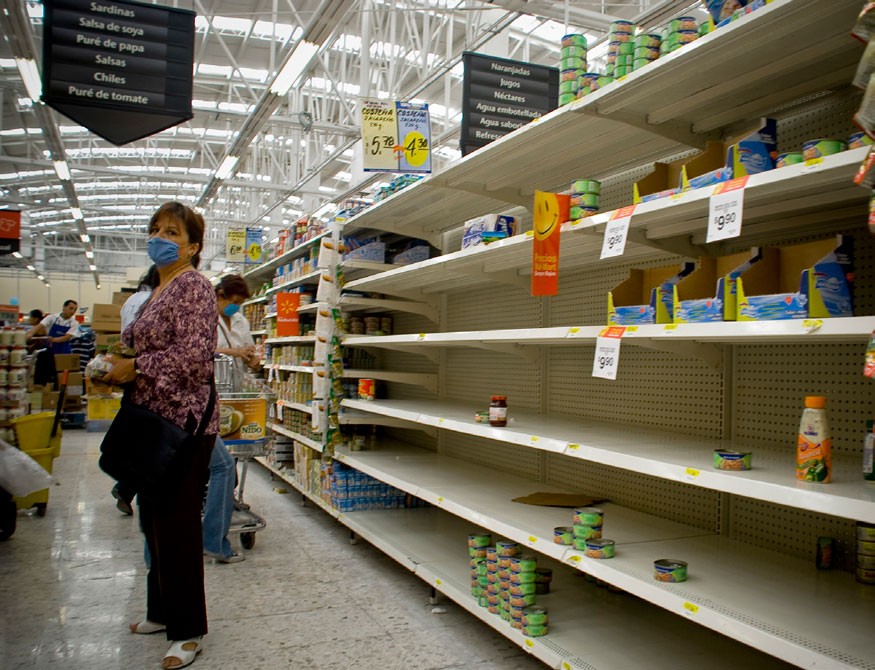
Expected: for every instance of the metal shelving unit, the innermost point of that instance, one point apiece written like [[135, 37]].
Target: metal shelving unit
[[266, 270], [296, 436]]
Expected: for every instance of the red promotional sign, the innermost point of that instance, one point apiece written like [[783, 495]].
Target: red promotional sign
[[287, 324], [551, 211], [10, 231]]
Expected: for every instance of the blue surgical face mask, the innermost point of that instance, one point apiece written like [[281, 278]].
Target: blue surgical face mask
[[161, 251], [231, 309]]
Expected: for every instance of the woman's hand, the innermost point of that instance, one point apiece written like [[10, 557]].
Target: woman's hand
[[123, 371]]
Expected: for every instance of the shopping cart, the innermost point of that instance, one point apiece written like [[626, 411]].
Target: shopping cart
[[243, 427]]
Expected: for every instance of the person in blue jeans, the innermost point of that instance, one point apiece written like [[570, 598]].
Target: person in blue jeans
[[235, 340]]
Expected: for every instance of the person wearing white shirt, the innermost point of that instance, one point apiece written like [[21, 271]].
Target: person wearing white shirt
[[58, 329]]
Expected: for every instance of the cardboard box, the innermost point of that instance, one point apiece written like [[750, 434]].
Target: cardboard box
[[488, 223], [697, 300], [98, 390], [74, 383], [372, 251], [750, 153], [103, 408], [103, 340], [647, 296], [50, 400], [73, 403], [242, 420], [106, 312], [120, 297], [106, 325], [811, 280], [412, 255], [66, 362]]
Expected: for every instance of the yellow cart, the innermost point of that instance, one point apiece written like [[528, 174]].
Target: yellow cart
[[34, 436]]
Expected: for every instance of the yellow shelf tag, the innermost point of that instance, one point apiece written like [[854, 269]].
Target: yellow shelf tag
[[692, 472], [574, 559], [440, 422], [532, 539], [530, 233], [810, 325], [440, 499], [573, 447], [533, 438], [529, 643], [632, 329], [671, 326], [573, 331], [691, 608], [421, 337], [437, 582], [566, 666]]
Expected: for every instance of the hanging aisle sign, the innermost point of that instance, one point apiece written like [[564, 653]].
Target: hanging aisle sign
[[10, 231], [725, 209], [121, 69], [253, 246], [287, 322], [551, 211], [235, 245], [396, 137]]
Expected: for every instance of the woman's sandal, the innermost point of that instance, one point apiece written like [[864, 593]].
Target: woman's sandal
[[183, 651], [146, 627]]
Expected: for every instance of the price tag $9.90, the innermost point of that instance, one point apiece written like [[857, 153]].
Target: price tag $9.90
[[607, 353], [616, 233], [725, 209]]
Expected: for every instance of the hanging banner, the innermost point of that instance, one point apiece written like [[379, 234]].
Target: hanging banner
[[122, 69], [287, 324], [396, 137], [235, 245], [551, 211], [10, 231], [253, 246]]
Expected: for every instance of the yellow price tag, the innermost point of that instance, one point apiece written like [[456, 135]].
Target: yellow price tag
[[573, 447], [421, 336], [691, 608], [529, 643], [532, 539], [440, 499], [671, 326], [574, 559], [566, 666], [437, 582], [632, 329], [810, 325], [530, 233], [573, 331], [440, 422], [533, 438], [692, 472], [814, 161]]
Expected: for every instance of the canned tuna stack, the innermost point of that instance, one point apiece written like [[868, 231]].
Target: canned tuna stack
[[865, 553], [571, 66], [646, 49], [523, 588], [587, 83], [584, 198], [621, 49], [680, 32], [504, 552], [478, 544]]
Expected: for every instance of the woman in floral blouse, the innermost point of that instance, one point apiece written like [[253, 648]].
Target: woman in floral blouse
[[175, 337]]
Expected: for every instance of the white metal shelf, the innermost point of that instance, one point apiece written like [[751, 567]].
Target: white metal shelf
[[749, 68], [660, 454], [294, 483], [309, 278], [788, 199], [292, 339], [358, 268], [426, 381], [763, 599], [256, 333], [301, 407], [254, 301], [267, 269], [296, 436], [306, 369]]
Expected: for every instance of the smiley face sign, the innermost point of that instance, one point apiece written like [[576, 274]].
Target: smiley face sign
[[550, 212]]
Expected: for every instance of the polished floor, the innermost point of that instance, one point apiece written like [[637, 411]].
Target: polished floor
[[305, 598]]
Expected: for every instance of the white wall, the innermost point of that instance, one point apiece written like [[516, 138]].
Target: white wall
[[33, 294]]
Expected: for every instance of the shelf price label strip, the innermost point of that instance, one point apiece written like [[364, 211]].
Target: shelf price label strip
[[616, 232], [725, 208]]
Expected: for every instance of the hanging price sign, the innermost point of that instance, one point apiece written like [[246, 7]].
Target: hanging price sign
[[616, 232], [725, 210], [396, 136], [607, 352]]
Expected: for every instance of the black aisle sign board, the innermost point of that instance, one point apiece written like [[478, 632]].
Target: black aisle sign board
[[501, 95], [121, 69]]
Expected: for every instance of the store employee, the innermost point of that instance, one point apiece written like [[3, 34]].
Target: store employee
[[59, 328]]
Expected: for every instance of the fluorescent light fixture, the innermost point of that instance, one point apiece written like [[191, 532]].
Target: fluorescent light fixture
[[62, 170], [31, 268], [30, 75], [227, 167], [89, 254], [92, 267], [15, 254], [294, 67], [40, 277], [77, 213], [98, 286], [85, 238]]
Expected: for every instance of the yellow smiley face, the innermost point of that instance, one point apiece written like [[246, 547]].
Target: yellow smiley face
[[546, 215]]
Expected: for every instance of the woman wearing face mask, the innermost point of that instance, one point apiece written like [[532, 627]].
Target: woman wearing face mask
[[172, 375], [234, 340]]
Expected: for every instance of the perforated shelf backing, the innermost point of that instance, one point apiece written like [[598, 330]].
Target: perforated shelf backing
[[475, 375], [510, 458], [496, 306]]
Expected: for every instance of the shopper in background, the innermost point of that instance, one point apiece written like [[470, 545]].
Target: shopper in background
[[59, 329], [124, 492], [172, 374], [234, 340], [34, 316]]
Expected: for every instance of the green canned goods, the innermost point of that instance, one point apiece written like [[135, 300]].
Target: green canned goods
[[575, 51], [604, 81], [581, 186], [573, 63], [493, 609], [600, 548], [563, 535], [569, 86], [669, 570], [534, 630], [726, 459], [650, 53], [479, 540], [648, 40], [620, 26], [792, 158], [705, 28], [866, 531], [574, 40], [525, 563], [622, 70], [522, 577], [522, 589], [626, 49], [523, 601], [585, 200], [683, 23], [587, 532], [819, 148], [638, 63], [476, 553], [687, 36], [858, 140], [589, 516], [482, 600], [507, 548], [582, 212], [535, 616], [567, 98]]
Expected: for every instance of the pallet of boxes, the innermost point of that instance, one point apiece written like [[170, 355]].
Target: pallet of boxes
[[104, 401]]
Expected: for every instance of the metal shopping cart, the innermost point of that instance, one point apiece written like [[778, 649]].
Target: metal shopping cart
[[243, 427]]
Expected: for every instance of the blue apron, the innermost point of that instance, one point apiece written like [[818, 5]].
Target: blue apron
[[57, 330]]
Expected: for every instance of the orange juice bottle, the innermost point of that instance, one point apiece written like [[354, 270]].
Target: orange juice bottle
[[814, 446]]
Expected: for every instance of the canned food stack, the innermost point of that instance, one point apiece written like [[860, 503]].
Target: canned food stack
[[351, 490], [646, 49], [584, 198], [621, 49], [13, 380], [865, 553], [588, 82], [571, 66], [680, 32], [478, 544]]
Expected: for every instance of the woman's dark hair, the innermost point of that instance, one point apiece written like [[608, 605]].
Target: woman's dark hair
[[36, 314], [150, 280], [232, 285], [193, 222]]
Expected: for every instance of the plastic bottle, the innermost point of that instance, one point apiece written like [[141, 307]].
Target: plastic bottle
[[814, 446], [869, 453]]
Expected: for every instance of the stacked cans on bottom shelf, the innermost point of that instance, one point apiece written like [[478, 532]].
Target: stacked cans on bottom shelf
[[584, 198], [865, 553], [571, 66], [507, 583]]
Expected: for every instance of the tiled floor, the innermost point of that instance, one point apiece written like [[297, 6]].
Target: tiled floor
[[304, 598]]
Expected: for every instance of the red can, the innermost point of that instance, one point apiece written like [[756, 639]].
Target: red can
[[366, 389]]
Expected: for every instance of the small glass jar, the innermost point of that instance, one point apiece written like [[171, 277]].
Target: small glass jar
[[498, 411]]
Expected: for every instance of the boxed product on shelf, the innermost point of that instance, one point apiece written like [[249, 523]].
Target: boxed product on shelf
[[695, 298], [647, 296], [67, 362], [498, 224], [749, 154], [414, 254], [371, 251], [799, 281]]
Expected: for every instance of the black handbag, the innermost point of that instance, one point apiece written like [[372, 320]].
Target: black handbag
[[144, 450]]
